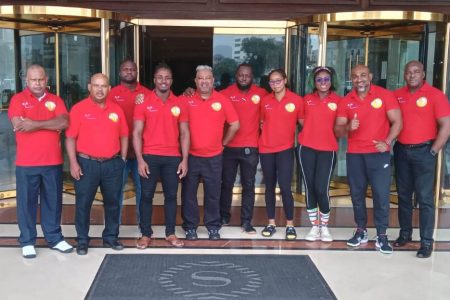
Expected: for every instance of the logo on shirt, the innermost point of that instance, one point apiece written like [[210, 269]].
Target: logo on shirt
[[422, 102], [376, 103], [256, 99], [139, 98], [216, 106], [150, 108], [113, 117], [50, 105], [352, 106], [267, 106], [332, 106], [90, 116], [290, 107], [401, 100], [175, 111], [118, 98]]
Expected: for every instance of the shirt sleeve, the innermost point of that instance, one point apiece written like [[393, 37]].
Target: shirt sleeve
[[139, 112], [60, 107], [15, 107], [391, 101], [230, 113], [74, 123], [123, 124], [301, 109], [441, 106], [342, 109]]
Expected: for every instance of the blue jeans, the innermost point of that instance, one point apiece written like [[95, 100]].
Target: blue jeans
[[278, 167], [164, 167], [247, 161], [415, 172], [131, 167], [210, 170], [44, 182], [373, 169], [108, 176]]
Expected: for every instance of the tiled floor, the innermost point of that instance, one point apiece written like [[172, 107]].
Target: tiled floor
[[352, 274]]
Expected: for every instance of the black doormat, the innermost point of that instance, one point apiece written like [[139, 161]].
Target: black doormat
[[218, 277]]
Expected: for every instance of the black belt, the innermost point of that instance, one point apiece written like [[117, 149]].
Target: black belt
[[416, 145], [99, 159]]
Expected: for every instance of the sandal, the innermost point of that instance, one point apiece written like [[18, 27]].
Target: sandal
[[174, 241], [269, 230], [290, 233], [143, 242]]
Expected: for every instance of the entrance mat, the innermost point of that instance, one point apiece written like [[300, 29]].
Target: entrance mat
[[218, 277]]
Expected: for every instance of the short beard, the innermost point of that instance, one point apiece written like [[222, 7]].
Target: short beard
[[128, 81], [243, 87]]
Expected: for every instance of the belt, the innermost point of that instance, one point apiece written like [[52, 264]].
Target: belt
[[416, 145], [99, 159]]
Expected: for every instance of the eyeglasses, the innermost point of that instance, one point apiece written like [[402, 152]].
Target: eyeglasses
[[275, 82], [323, 79]]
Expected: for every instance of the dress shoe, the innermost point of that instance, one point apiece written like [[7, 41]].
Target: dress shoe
[[174, 241], [143, 242], [115, 245], [82, 249], [425, 250], [191, 235], [248, 228], [402, 240]]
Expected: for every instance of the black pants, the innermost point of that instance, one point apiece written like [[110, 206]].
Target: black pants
[[210, 169], [373, 168], [247, 161], [279, 167], [317, 168], [415, 172], [164, 167]]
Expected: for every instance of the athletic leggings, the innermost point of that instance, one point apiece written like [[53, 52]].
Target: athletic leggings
[[278, 166], [317, 168]]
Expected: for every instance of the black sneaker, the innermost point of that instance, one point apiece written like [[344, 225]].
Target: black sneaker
[[359, 237], [115, 245], [248, 228], [402, 240], [268, 231], [214, 234], [382, 244], [425, 250], [291, 235], [191, 235]]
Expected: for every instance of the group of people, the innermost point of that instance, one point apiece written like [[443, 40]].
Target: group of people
[[208, 135]]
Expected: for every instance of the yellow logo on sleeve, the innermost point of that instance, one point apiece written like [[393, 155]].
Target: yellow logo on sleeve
[[332, 106], [376, 103], [422, 102], [256, 99], [50, 105], [175, 111], [113, 117], [216, 106], [290, 107]]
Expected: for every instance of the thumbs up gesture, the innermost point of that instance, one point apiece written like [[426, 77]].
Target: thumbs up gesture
[[354, 123]]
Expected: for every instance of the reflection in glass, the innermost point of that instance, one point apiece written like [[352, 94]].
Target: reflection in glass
[[121, 47]]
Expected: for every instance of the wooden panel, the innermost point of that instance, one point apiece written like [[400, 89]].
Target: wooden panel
[[292, 2]]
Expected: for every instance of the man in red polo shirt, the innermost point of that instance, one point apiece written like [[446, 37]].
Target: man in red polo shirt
[[208, 112], [160, 130], [242, 150], [125, 95], [97, 144], [38, 117], [371, 117], [426, 128]]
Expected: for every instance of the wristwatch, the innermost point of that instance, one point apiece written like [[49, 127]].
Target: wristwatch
[[432, 152]]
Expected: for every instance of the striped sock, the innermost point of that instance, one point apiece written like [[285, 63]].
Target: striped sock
[[324, 219], [313, 216]]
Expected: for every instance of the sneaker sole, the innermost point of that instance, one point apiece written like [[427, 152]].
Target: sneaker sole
[[359, 244], [328, 240], [383, 251], [310, 239], [268, 234], [63, 251]]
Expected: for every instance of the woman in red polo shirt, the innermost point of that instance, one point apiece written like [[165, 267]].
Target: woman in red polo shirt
[[317, 149], [279, 117]]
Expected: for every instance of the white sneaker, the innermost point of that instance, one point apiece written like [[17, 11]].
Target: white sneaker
[[28, 251], [63, 247], [313, 234], [325, 234]]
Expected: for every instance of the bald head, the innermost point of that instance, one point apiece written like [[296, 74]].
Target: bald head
[[99, 87], [361, 79], [414, 75], [36, 80]]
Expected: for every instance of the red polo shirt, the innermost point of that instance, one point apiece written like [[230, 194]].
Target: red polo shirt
[[161, 132], [126, 99], [206, 122], [420, 112], [372, 114], [97, 130], [279, 121], [319, 117], [247, 106], [40, 147]]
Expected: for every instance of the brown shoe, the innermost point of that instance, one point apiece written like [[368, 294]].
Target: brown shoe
[[174, 241], [143, 242]]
